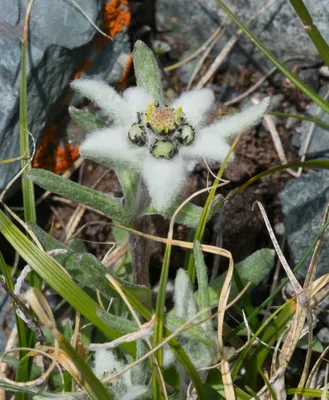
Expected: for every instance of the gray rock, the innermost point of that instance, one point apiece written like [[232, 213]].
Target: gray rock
[[323, 335], [58, 44], [311, 77], [319, 144], [191, 22], [111, 61], [304, 201]]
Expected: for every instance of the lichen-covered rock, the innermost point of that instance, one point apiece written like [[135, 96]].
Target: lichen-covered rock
[[57, 46]]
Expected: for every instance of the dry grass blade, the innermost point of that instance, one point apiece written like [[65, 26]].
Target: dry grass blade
[[276, 140], [312, 378], [222, 302], [32, 352], [44, 313], [299, 318], [293, 280], [308, 290], [195, 54], [218, 61], [325, 389], [303, 310], [219, 33]]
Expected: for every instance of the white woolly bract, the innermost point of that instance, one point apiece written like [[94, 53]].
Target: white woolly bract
[[109, 101], [106, 363], [137, 99], [111, 146], [185, 304], [134, 392], [206, 145], [233, 125], [168, 357], [165, 179], [195, 104]]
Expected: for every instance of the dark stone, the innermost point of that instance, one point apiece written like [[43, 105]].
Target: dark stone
[[304, 201], [319, 144]]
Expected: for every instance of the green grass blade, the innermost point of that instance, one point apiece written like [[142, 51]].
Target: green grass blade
[[25, 336], [322, 164], [268, 385], [300, 117], [280, 317], [27, 186], [160, 319], [311, 29], [292, 77], [307, 392], [56, 278], [205, 214], [22, 372]]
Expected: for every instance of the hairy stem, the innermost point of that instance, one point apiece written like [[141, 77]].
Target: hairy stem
[[139, 247]]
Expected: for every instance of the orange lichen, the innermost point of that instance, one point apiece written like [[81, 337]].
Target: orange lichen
[[83, 67], [116, 17], [53, 156], [125, 73]]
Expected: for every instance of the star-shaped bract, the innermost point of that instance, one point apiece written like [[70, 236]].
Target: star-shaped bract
[[164, 177]]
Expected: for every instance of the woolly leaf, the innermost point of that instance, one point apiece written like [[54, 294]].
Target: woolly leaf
[[108, 204], [253, 269], [147, 71], [185, 304], [203, 299], [196, 333], [88, 122], [124, 325]]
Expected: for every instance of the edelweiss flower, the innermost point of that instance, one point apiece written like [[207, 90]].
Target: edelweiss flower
[[159, 141]]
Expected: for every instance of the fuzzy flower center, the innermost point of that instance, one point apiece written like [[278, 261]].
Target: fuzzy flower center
[[163, 130], [163, 120]]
